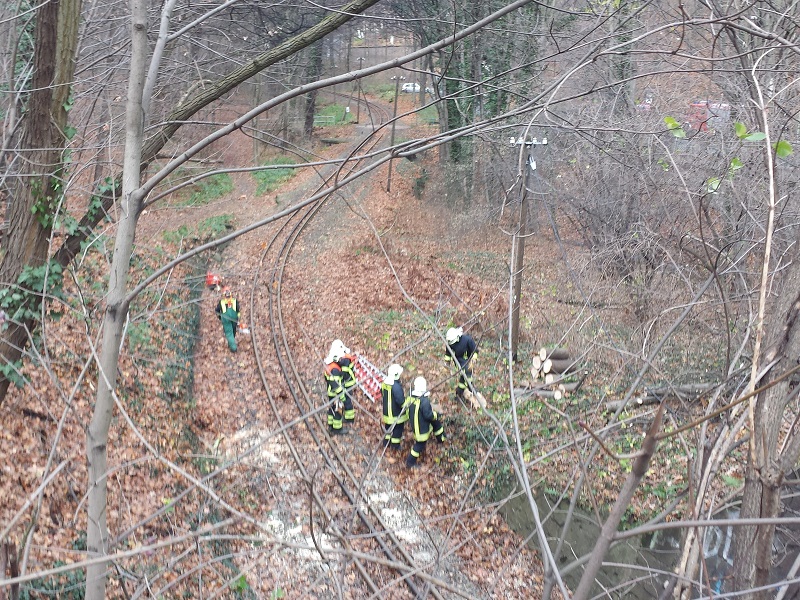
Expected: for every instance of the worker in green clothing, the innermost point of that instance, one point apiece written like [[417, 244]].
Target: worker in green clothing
[[228, 312]]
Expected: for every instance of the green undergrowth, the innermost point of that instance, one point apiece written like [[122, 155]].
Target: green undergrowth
[[384, 91], [207, 230], [469, 439], [338, 112], [428, 115], [70, 585], [205, 191], [270, 179]]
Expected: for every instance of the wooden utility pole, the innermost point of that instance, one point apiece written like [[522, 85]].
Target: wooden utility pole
[[519, 239], [358, 86], [397, 80]]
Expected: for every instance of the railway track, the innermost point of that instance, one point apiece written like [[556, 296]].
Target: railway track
[[366, 534]]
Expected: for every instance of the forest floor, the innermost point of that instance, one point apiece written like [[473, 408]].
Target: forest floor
[[364, 261], [386, 272]]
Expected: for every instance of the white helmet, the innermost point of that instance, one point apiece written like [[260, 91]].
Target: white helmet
[[453, 334], [394, 372], [420, 387]]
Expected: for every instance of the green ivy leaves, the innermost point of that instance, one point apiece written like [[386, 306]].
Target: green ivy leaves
[[21, 302]]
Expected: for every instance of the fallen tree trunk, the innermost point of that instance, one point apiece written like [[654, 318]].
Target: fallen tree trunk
[[658, 394]]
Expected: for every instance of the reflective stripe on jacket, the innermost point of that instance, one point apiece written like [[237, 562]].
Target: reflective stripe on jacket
[[347, 363], [333, 380], [225, 303], [395, 409], [421, 416]]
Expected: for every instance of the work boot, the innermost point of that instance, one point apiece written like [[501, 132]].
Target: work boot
[[411, 462], [440, 438]]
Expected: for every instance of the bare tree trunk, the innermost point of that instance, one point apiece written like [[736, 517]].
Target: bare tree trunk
[[39, 189], [116, 309], [312, 74]]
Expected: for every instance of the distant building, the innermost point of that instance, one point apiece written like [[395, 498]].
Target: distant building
[[706, 115]]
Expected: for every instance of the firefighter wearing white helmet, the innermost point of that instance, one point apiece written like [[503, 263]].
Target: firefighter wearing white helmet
[[335, 390], [347, 363], [463, 348], [424, 420], [395, 411]]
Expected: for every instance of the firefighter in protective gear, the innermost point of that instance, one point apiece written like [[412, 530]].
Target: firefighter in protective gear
[[395, 411], [228, 312], [347, 363], [335, 391], [424, 420], [461, 346]]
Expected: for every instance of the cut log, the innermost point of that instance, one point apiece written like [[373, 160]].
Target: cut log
[[536, 363], [549, 378], [547, 366], [558, 394], [560, 365], [558, 354], [553, 353]]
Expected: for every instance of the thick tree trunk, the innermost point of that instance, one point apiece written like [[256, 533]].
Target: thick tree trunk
[[38, 189], [312, 74]]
